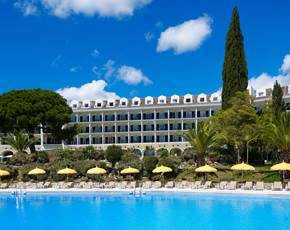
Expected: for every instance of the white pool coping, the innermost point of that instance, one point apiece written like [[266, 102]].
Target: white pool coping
[[167, 190]]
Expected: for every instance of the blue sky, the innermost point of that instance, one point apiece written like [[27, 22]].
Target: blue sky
[[98, 48]]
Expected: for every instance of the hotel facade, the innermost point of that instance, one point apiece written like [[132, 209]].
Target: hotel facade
[[148, 122]]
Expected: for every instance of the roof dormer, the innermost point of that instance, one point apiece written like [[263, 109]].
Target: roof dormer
[[202, 98], [74, 104], [174, 99], [149, 100], [187, 99], [136, 101], [86, 104], [161, 100], [99, 103], [111, 103], [123, 102]]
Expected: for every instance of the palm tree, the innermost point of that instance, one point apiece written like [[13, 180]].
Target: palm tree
[[278, 134], [201, 140], [19, 141]]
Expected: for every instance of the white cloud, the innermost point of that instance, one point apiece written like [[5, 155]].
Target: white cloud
[[74, 69], [132, 76], [187, 36], [148, 36], [266, 81], [95, 71], [27, 7], [285, 68], [103, 8], [90, 91], [109, 68], [95, 53]]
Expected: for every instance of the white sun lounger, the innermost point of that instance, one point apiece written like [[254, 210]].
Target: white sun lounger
[[147, 184], [288, 186], [196, 185], [260, 186], [207, 185], [248, 185], [131, 185], [169, 184], [277, 186], [232, 185], [156, 184], [223, 185]]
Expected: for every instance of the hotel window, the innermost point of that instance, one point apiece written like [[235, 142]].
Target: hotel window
[[149, 102], [215, 99], [86, 105], [75, 105], [111, 104], [187, 100], [161, 101], [201, 99], [123, 103], [261, 94], [174, 101], [135, 102], [99, 104]]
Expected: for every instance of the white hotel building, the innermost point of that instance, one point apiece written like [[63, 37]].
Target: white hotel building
[[137, 122], [153, 122]]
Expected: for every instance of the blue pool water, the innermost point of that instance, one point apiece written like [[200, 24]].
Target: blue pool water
[[152, 211]]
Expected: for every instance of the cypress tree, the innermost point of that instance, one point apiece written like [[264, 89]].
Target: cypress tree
[[278, 105], [235, 70]]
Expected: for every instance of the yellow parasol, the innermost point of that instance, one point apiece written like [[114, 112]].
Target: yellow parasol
[[130, 170], [96, 171], [206, 169], [162, 169], [36, 171], [281, 167]]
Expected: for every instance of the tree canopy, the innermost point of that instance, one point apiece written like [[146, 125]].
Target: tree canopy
[[26, 109], [235, 70], [239, 123], [278, 105]]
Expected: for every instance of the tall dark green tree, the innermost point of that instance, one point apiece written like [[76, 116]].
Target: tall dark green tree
[[278, 105], [235, 70]]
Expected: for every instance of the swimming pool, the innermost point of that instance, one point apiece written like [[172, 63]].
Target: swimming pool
[[151, 211]]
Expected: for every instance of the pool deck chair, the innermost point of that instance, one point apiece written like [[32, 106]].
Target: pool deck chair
[[288, 186], [277, 186], [131, 185], [147, 184], [181, 185], [207, 185], [223, 185], [196, 185], [248, 185], [3, 186], [232, 185], [169, 184], [260, 186], [156, 184]]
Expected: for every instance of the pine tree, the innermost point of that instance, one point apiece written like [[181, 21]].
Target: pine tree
[[278, 105], [235, 70]]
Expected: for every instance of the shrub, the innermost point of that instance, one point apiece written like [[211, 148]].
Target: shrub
[[114, 154], [162, 152], [187, 154], [20, 159], [175, 152], [91, 153], [149, 163], [171, 161], [42, 157]]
